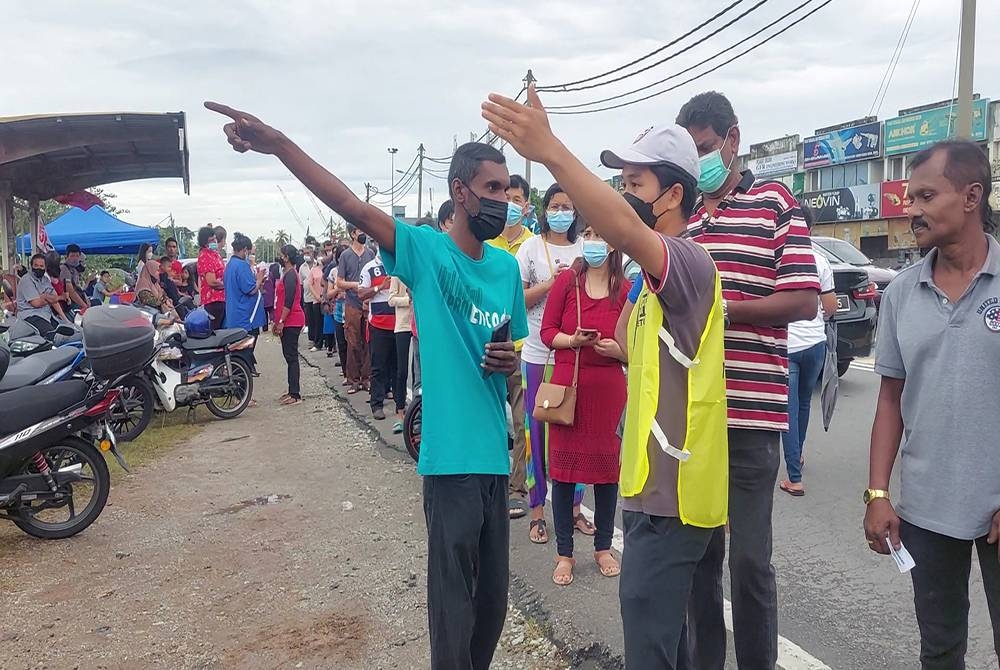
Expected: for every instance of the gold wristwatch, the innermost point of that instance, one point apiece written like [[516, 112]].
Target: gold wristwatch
[[874, 494]]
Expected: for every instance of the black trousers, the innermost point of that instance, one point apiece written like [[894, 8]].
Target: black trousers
[[314, 322], [658, 567], [382, 345], [341, 336], [468, 559], [941, 593], [402, 368], [42, 325], [290, 350], [754, 457], [605, 502], [217, 310]]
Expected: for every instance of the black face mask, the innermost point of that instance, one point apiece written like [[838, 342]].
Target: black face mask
[[38, 272], [362, 238], [491, 219], [642, 208]]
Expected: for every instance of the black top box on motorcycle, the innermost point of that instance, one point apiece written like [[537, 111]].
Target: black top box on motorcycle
[[118, 339]]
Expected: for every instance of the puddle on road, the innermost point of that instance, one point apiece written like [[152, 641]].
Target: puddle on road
[[259, 501]]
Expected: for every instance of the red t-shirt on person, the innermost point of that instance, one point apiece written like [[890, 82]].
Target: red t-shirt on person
[[211, 261]]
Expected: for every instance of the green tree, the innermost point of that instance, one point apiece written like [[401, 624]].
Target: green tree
[[281, 238]]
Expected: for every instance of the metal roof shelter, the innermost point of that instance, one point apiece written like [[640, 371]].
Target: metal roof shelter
[[45, 156]]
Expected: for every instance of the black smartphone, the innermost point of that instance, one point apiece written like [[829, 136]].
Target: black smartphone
[[500, 334]]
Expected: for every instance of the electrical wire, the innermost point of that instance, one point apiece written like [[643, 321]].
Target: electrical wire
[[687, 69], [661, 61], [883, 87], [401, 188], [560, 87], [699, 76]]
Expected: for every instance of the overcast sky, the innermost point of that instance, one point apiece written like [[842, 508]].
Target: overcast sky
[[347, 79]]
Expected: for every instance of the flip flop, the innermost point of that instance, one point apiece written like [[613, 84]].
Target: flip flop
[[543, 535], [588, 527], [516, 508], [563, 578], [611, 568], [291, 401], [797, 493]]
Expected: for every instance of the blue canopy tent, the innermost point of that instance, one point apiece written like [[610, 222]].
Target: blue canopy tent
[[96, 231]]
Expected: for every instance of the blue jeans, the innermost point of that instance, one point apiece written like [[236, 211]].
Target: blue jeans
[[804, 368]]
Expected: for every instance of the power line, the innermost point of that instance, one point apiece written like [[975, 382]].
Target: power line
[[699, 76], [405, 186], [685, 70], [639, 60], [883, 87], [663, 60]]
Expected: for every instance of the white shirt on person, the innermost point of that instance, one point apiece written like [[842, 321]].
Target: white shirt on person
[[538, 260], [805, 334]]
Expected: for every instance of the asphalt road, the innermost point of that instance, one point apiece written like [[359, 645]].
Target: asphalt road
[[840, 605]]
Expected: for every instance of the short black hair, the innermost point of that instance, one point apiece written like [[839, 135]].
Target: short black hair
[[105, 272], [424, 221], [36, 256], [517, 181], [169, 240], [220, 232], [808, 215], [708, 110], [241, 242], [465, 163], [446, 211], [668, 175], [72, 248], [291, 253], [965, 163], [204, 233], [543, 221]]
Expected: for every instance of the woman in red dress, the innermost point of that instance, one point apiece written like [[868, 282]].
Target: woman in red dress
[[588, 451]]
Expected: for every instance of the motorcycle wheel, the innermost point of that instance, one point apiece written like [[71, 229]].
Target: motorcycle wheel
[[412, 427], [232, 405], [37, 518], [134, 410]]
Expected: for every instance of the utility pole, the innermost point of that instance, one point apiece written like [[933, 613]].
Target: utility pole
[[368, 192], [392, 178], [430, 192], [528, 80], [966, 58], [420, 179]]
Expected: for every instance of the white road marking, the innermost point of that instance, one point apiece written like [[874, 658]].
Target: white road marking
[[790, 655]]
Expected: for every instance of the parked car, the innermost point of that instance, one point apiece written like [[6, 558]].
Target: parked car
[[846, 252], [856, 315]]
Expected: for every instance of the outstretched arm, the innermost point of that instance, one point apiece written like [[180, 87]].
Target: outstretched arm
[[526, 128], [248, 133]]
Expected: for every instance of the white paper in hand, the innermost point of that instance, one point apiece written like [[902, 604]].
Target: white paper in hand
[[902, 557]]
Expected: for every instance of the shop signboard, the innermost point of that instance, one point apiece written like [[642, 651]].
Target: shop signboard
[[913, 132], [774, 166], [857, 203], [894, 198], [843, 146]]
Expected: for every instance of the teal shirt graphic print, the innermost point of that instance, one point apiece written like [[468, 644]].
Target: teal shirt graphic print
[[457, 302]]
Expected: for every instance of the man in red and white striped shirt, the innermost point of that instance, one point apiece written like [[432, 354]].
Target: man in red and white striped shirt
[[755, 233]]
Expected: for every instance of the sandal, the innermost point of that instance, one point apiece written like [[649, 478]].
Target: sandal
[[283, 396], [353, 390], [583, 525], [291, 401], [786, 486], [541, 536], [563, 574], [516, 508], [608, 564]]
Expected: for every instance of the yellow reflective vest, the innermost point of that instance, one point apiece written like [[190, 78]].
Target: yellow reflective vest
[[703, 459]]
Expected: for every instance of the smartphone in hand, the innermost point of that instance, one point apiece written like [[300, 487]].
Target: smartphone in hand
[[500, 334]]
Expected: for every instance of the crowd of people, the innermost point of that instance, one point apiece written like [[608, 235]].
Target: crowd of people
[[670, 395]]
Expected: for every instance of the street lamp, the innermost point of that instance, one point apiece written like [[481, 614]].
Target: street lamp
[[392, 178]]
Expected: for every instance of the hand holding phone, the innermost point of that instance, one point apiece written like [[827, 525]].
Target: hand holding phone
[[499, 355], [585, 337]]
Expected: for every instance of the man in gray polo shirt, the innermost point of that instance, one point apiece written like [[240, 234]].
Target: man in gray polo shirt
[[938, 352], [37, 302]]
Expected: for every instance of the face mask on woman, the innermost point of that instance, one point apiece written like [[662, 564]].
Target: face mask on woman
[[559, 222], [214, 246], [595, 252]]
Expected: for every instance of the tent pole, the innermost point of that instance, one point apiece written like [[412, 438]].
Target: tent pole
[[33, 222], [8, 235]]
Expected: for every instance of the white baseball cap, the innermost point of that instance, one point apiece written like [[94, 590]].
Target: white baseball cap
[[668, 144]]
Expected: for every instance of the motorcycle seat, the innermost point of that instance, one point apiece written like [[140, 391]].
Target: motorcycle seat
[[36, 367], [26, 406], [219, 338]]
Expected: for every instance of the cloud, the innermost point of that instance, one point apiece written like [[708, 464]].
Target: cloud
[[349, 78]]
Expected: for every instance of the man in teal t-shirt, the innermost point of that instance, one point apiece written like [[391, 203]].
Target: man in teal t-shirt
[[462, 290]]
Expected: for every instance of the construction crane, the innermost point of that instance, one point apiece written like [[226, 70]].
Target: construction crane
[[291, 209]]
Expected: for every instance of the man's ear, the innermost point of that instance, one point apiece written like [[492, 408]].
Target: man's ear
[[973, 196]]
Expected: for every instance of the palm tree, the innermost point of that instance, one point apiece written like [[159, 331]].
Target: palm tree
[[282, 238]]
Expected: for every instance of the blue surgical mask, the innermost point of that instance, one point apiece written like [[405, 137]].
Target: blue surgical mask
[[559, 222], [513, 214], [714, 172], [595, 252], [214, 246]]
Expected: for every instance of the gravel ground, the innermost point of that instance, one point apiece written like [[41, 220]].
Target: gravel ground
[[286, 538]]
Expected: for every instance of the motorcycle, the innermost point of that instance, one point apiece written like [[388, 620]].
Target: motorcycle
[[52, 449]]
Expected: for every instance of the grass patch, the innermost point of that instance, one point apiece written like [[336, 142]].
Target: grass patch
[[165, 432]]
